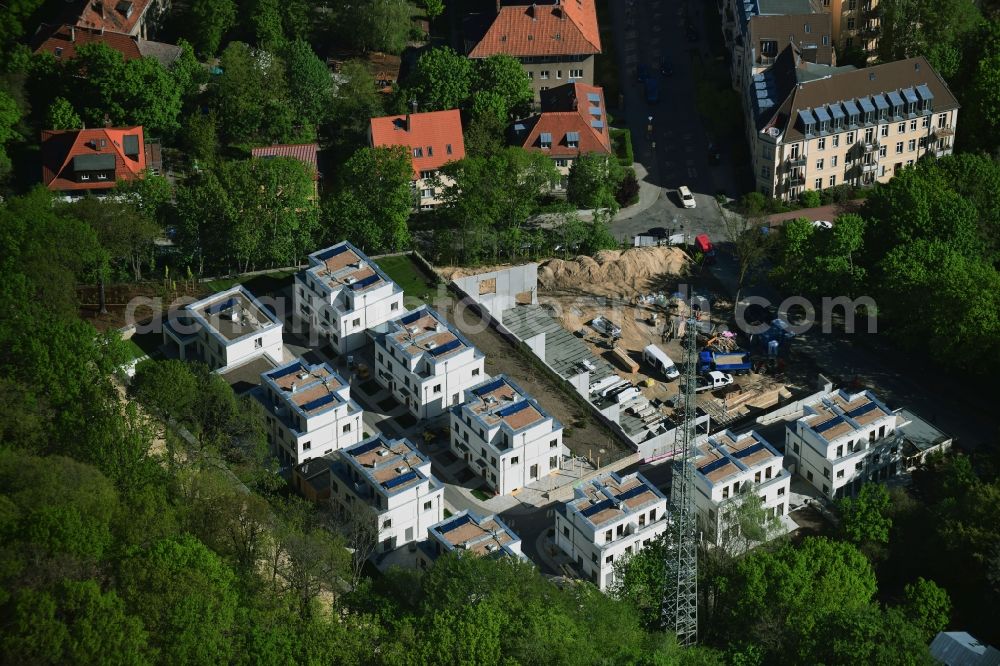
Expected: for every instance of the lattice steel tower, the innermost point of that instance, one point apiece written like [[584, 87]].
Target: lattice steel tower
[[680, 586]]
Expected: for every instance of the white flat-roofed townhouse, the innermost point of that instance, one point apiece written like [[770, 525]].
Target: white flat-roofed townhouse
[[466, 532], [388, 482], [342, 294], [726, 467], [425, 363], [609, 518], [224, 330], [843, 440], [309, 411], [504, 435]]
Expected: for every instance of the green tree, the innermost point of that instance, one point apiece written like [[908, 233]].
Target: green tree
[[375, 190], [62, 116], [381, 25], [266, 24], [210, 20], [186, 598], [310, 86], [150, 195], [188, 73], [809, 199], [252, 97], [433, 8], [167, 389], [201, 137], [928, 607], [503, 76], [593, 181], [124, 231], [864, 519], [355, 101], [10, 117], [442, 79], [13, 21]]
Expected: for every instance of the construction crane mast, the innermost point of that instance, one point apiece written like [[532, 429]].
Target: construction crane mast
[[680, 586]]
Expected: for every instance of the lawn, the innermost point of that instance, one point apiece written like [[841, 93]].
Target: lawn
[[407, 274], [481, 495], [258, 285]]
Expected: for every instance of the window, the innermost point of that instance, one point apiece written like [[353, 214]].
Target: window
[[562, 161], [826, 489], [558, 73], [840, 474], [881, 151], [840, 450], [576, 73], [515, 460], [795, 447], [84, 176], [418, 152], [437, 388], [911, 145], [851, 23], [833, 161], [607, 536], [884, 130], [942, 120], [428, 506], [447, 148], [306, 446], [426, 174], [809, 475], [544, 74], [756, 477], [858, 466], [621, 530], [387, 523], [909, 162], [394, 306], [899, 147], [430, 151], [356, 322], [826, 40], [781, 491], [475, 372], [901, 128], [346, 428], [258, 343], [833, 181], [652, 516], [821, 144], [426, 193], [850, 138], [553, 462], [807, 28], [553, 443], [593, 556], [819, 164], [913, 125], [765, 171], [826, 472], [836, 140], [609, 559], [926, 122], [725, 492]]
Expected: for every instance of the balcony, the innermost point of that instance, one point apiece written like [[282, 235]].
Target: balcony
[[947, 130], [796, 179], [869, 168], [795, 162]]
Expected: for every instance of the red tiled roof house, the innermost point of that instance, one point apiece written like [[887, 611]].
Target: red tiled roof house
[[63, 40], [433, 139], [556, 41], [573, 121], [303, 152], [92, 160]]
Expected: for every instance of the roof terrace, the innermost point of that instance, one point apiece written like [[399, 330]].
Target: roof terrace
[[423, 331], [391, 465], [500, 401], [483, 536], [233, 314], [842, 413], [725, 454], [343, 266], [609, 498]]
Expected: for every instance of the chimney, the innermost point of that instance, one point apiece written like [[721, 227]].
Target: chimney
[[498, 6]]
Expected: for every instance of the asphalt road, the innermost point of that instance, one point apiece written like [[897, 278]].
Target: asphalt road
[[646, 31]]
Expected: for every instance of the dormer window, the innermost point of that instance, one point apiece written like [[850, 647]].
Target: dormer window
[[545, 140], [572, 139], [447, 148], [430, 151], [59, 52], [418, 152]]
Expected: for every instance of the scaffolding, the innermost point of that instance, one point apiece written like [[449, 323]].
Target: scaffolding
[[680, 588]]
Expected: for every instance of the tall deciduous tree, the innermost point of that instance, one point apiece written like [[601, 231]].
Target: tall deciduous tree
[[310, 86], [441, 80], [252, 97], [209, 21], [62, 116], [10, 116], [593, 180], [504, 76], [376, 198]]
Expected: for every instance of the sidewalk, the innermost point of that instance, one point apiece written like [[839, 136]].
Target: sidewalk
[[648, 194]]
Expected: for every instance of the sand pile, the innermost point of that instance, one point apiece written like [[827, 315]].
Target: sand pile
[[622, 271]]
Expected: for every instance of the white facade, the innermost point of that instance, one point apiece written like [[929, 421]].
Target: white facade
[[468, 533], [609, 518], [505, 436], [342, 294], [388, 482], [309, 411], [843, 440], [425, 363], [224, 330], [728, 466]]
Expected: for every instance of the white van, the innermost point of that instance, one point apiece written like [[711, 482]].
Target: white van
[[658, 358]]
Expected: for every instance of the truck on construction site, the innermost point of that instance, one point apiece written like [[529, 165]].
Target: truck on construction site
[[737, 362], [711, 381]]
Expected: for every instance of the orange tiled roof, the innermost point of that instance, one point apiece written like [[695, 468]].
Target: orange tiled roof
[[566, 109], [114, 15], [59, 147], [437, 135], [568, 27], [62, 42], [304, 152]]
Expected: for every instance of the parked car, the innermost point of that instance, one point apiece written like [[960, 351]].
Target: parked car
[[687, 199], [643, 72], [823, 224], [652, 89], [602, 325]]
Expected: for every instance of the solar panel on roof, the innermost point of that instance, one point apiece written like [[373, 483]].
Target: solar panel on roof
[[546, 137], [836, 111], [807, 116], [633, 492], [399, 480], [863, 409], [823, 427], [593, 97], [488, 388], [822, 115], [332, 252], [714, 465], [455, 524], [924, 92], [284, 372], [519, 127], [895, 99], [319, 402], [910, 95], [597, 124], [219, 307], [362, 449], [514, 409], [370, 280], [749, 451], [866, 104], [411, 317], [880, 102], [446, 347], [597, 508]]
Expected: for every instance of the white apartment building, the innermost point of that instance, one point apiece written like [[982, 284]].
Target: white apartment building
[[728, 466], [811, 126], [843, 440], [309, 411], [425, 363], [388, 482], [468, 533], [225, 330], [505, 436], [342, 294], [609, 518]]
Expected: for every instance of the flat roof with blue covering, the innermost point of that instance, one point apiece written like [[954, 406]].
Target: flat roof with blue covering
[[840, 413], [344, 266], [485, 536], [233, 314], [389, 466], [725, 454], [425, 331], [610, 497], [501, 402]]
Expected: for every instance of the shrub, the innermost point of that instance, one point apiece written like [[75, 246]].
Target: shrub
[[621, 142], [628, 189], [810, 199]]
